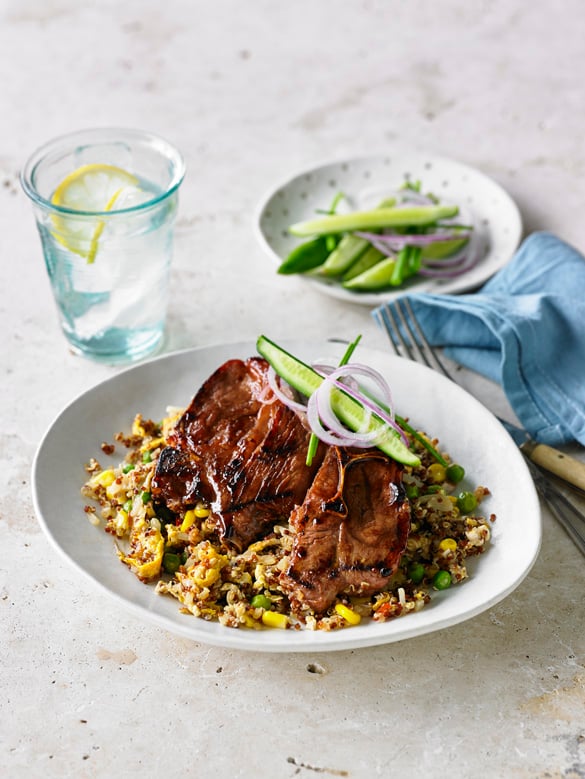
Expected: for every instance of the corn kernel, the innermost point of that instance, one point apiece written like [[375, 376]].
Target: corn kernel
[[448, 544], [201, 511], [349, 615], [153, 444], [188, 520], [437, 473], [272, 619], [104, 478], [137, 426]]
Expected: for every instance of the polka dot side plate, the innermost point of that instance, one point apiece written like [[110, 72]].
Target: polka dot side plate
[[365, 181]]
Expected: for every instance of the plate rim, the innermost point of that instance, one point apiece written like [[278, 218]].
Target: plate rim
[[229, 638], [377, 298]]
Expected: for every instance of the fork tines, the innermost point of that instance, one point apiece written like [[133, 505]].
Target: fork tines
[[406, 335]]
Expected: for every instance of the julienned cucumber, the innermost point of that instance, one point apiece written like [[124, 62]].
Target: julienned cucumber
[[305, 380]]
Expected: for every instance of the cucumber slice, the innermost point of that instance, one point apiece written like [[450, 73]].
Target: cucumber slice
[[443, 249], [369, 259], [375, 278], [306, 380], [347, 251]]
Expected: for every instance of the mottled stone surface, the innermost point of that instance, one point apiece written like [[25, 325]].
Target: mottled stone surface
[[250, 92]]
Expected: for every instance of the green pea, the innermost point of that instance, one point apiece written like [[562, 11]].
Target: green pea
[[145, 497], [416, 572], [442, 580], [455, 473], [127, 468], [147, 457], [261, 602], [171, 562], [127, 506], [412, 491], [467, 502], [433, 489]]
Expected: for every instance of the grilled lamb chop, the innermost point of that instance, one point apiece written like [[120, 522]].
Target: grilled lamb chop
[[241, 450], [351, 529]]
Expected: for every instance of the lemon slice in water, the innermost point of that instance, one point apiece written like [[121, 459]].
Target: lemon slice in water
[[90, 188]]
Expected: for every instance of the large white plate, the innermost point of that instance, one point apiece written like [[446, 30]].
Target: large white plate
[[366, 181], [469, 432]]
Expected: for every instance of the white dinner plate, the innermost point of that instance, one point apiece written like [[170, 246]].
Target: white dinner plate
[[366, 181], [466, 429]]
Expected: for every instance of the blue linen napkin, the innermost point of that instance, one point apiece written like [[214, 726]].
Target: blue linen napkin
[[525, 329]]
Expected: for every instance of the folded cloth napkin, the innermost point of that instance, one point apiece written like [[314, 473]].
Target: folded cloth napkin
[[525, 329]]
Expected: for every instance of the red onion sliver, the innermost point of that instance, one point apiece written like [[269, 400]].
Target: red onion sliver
[[365, 401], [362, 437], [327, 436], [281, 395], [370, 373]]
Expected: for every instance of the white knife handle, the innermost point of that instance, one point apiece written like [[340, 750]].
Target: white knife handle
[[562, 465]]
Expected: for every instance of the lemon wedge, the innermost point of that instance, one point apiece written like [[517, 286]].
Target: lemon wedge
[[90, 188]]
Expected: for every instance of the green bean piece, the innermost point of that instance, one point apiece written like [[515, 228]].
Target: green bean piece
[[127, 507], [414, 260], [305, 257], [412, 491], [145, 497], [422, 440], [314, 440], [331, 242], [128, 468], [147, 457]]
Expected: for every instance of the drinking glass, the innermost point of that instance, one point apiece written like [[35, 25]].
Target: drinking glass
[[105, 203]]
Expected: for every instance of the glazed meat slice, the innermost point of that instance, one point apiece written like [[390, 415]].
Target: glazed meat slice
[[351, 530], [241, 450]]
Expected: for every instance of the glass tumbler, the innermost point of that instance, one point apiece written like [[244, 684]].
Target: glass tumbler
[[105, 203]]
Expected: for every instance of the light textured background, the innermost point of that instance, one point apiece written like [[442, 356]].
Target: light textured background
[[250, 92]]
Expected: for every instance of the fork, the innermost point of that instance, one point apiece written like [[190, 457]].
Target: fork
[[409, 341]]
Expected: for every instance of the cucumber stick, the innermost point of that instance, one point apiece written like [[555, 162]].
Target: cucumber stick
[[378, 218], [305, 380]]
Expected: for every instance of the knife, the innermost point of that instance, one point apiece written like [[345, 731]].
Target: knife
[[552, 460]]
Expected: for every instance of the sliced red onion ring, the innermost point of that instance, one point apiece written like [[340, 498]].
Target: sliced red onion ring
[[319, 412], [327, 436], [347, 373], [281, 395], [397, 241], [432, 271], [362, 437], [350, 370]]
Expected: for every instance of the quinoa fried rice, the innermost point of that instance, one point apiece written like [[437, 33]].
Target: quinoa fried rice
[[183, 557]]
